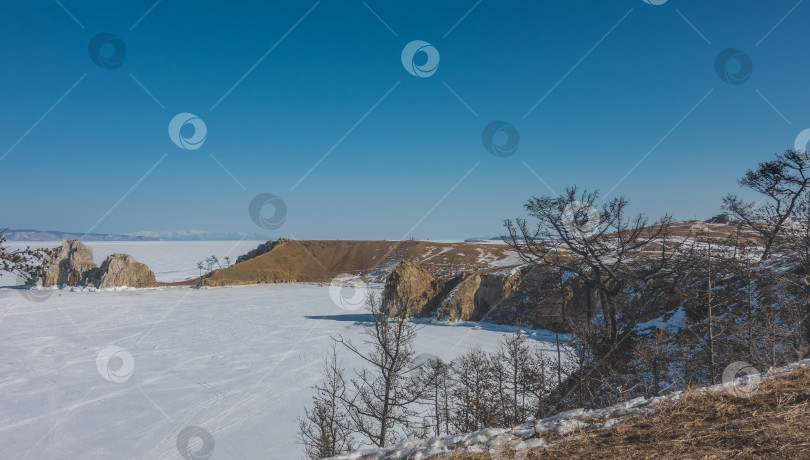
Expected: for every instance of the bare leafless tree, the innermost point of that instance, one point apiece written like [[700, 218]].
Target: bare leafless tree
[[212, 262], [21, 262], [474, 395], [325, 430], [798, 235], [538, 382], [434, 376], [513, 364], [382, 393], [602, 245], [782, 182], [650, 367]]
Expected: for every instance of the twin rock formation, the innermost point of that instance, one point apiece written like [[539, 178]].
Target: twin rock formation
[[72, 265]]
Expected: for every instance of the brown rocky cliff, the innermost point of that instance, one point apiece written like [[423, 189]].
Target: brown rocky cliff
[[460, 303], [477, 295], [412, 287], [520, 295]]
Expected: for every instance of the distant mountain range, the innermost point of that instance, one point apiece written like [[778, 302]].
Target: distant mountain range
[[148, 235], [484, 239], [197, 235], [180, 235]]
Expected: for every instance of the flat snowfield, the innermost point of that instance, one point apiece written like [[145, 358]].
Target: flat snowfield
[[120, 375]]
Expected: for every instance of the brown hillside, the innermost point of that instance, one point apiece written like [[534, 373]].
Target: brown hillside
[[320, 261]]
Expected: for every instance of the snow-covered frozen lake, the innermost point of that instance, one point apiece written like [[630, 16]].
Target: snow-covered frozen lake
[[120, 375]]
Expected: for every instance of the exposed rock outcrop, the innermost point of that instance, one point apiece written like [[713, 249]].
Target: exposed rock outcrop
[[536, 296], [460, 303], [69, 264], [413, 288], [518, 295], [72, 265], [476, 295], [123, 270], [263, 248]]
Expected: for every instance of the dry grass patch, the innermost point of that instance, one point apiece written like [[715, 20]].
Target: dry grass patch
[[773, 423]]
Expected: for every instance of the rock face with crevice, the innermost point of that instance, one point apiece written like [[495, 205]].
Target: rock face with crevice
[[464, 297], [516, 295], [69, 264], [413, 288], [478, 295], [72, 265]]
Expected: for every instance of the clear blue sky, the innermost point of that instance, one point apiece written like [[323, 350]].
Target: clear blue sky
[[397, 164]]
